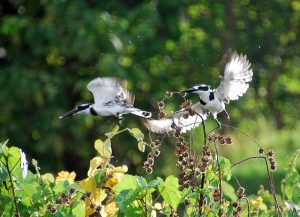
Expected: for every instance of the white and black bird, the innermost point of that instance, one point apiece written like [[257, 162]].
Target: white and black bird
[[234, 83], [183, 119], [111, 98]]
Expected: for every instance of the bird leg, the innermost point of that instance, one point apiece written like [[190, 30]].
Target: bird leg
[[216, 119], [121, 118], [228, 117]]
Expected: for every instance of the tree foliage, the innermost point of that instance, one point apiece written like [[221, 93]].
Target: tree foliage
[[49, 50]]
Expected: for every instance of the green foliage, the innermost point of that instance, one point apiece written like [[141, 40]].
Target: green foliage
[[110, 192], [51, 49]]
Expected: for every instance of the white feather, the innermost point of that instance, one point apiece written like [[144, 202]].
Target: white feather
[[107, 90], [234, 83]]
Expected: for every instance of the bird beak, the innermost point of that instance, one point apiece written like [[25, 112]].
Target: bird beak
[[69, 113], [190, 90]]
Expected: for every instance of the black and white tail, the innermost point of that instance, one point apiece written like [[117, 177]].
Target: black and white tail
[[141, 113]]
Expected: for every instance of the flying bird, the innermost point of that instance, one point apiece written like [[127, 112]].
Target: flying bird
[[111, 98], [234, 83], [184, 120]]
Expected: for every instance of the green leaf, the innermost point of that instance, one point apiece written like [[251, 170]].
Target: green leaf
[[225, 168], [127, 182], [142, 146], [14, 157], [115, 129], [229, 191], [136, 133], [3, 146], [78, 209], [99, 177], [48, 178], [113, 132], [169, 191], [103, 148], [127, 196]]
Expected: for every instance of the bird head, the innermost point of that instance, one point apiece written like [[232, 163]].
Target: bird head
[[198, 89], [80, 109]]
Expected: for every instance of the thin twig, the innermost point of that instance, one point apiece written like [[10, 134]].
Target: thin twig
[[146, 208], [248, 205], [271, 182]]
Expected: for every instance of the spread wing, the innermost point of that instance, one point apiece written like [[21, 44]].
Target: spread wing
[[181, 119], [237, 74], [107, 90]]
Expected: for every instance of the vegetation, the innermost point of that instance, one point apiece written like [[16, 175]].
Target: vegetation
[[49, 50]]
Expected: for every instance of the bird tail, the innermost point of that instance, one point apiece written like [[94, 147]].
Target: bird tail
[[141, 113]]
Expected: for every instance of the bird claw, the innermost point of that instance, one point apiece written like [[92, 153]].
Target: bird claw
[[228, 117], [121, 119]]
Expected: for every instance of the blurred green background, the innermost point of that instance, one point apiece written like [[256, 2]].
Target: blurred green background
[[50, 49]]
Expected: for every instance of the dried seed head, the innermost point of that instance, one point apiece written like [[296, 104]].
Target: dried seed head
[[271, 153], [192, 112], [151, 162], [72, 190], [241, 193], [92, 206], [273, 166], [153, 145], [149, 170], [158, 142], [185, 116], [98, 209], [161, 115], [88, 194], [183, 94], [161, 104], [58, 201], [168, 94], [235, 204], [260, 151], [228, 140], [216, 194], [63, 195]]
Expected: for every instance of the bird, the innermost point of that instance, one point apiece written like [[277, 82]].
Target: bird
[[234, 84], [111, 98], [182, 120]]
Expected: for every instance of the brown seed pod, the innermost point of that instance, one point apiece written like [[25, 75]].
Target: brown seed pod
[[261, 151], [168, 94], [271, 153], [161, 104], [183, 94]]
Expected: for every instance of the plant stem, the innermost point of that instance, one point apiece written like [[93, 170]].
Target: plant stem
[[12, 186], [271, 182], [219, 170], [201, 199], [146, 208]]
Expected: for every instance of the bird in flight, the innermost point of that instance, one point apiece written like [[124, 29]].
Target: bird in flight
[[111, 98], [234, 83]]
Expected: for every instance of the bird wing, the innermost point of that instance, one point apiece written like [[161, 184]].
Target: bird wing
[[181, 119], [107, 90], [237, 74]]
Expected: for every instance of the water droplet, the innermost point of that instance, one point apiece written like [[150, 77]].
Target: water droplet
[[259, 46], [138, 36]]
